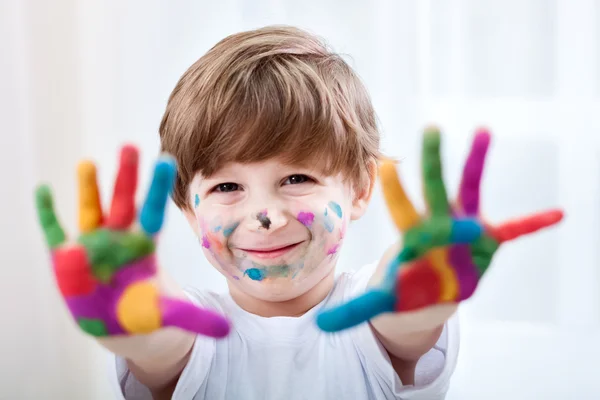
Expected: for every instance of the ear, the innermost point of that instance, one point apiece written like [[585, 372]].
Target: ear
[[362, 197]]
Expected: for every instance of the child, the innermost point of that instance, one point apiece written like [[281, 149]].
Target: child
[[277, 149]]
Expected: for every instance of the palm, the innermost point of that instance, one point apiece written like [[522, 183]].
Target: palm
[[446, 252], [108, 277]]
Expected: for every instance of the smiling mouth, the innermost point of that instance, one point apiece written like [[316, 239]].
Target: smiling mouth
[[274, 252]]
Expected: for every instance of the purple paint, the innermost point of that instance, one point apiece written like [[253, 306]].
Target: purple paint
[[205, 242], [102, 303], [472, 172], [466, 272], [306, 218], [187, 316]]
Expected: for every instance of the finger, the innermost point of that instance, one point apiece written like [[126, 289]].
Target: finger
[[185, 315], [122, 209], [153, 210], [53, 232], [472, 172], [523, 226], [402, 210], [433, 181], [356, 311], [90, 210]]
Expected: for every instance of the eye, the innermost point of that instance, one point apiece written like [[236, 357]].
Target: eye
[[297, 179], [226, 187]]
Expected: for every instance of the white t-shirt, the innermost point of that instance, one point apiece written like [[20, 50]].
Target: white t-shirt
[[290, 358]]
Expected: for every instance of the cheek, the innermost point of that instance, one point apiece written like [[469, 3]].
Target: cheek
[[326, 222]]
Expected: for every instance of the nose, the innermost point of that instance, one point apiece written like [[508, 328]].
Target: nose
[[268, 219]]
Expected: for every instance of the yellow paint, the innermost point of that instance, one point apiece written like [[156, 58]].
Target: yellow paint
[[137, 309], [90, 210], [402, 211], [449, 284]]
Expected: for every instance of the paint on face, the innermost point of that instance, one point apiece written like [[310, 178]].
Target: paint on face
[[258, 272], [336, 208], [333, 249], [264, 220], [205, 242], [196, 200], [306, 218], [217, 229], [227, 231], [327, 222]]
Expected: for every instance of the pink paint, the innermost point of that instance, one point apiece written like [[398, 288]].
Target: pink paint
[[205, 242], [306, 218], [334, 249]]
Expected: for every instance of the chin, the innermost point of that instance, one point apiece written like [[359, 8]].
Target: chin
[[278, 289]]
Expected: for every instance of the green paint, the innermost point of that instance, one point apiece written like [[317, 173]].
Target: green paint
[[108, 251], [433, 232], [53, 232], [94, 327], [435, 191], [482, 251]]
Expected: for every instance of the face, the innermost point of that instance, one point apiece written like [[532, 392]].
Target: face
[[272, 229]]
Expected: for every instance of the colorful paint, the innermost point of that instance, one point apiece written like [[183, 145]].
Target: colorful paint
[[306, 218], [264, 220], [196, 200], [443, 268], [259, 273], [336, 208], [228, 230], [328, 222], [104, 277]]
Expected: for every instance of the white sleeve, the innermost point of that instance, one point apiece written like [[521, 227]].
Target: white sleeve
[[434, 369], [127, 387]]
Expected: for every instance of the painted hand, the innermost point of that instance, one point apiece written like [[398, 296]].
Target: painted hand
[[108, 276], [446, 253]]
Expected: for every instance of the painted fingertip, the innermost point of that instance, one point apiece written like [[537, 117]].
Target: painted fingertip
[[465, 231], [356, 311], [129, 154]]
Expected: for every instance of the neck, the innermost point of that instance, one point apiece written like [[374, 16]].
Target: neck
[[289, 308]]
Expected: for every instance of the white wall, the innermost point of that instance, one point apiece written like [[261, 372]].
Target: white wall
[[78, 78]]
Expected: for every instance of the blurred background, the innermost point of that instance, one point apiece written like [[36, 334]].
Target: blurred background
[[79, 78]]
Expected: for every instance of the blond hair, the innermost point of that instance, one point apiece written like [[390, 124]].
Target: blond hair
[[270, 92]]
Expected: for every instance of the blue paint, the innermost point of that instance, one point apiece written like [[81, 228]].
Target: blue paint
[[336, 208], [356, 311], [229, 230], [328, 223], [152, 214], [255, 274], [465, 231], [196, 200], [217, 229]]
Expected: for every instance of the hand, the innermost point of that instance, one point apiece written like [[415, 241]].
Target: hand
[[108, 276], [445, 253]]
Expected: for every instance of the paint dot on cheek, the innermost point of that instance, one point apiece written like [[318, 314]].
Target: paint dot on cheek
[[205, 242], [336, 208], [306, 218], [196, 200]]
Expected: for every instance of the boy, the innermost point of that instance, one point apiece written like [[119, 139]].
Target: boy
[[276, 146]]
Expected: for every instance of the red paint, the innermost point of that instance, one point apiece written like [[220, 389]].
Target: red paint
[[73, 273], [513, 229], [122, 210], [418, 286]]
